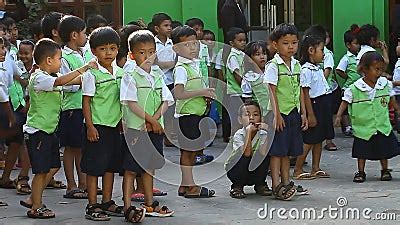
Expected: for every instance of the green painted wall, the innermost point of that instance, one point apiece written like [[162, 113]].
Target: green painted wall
[[346, 13], [180, 10]]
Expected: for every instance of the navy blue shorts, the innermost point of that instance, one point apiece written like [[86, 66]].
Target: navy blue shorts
[[288, 142], [20, 119], [142, 151], [104, 155], [193, 133], [43, 150], [71, 128], [324, 129]]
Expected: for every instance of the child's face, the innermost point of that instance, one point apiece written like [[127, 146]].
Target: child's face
[[3, 52], [317, 53], [13, 30], [164, 29], [374, 71], [81, 38], [199, 31], [375, 42], [287, 45], [188, 47], [209, 40], [239, 42], [259, 57], [144, 54], [353, 46], [106, 54], [250, 114], [4, 33], [54, 63], [25, 53]]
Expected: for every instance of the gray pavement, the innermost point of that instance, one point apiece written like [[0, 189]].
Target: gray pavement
[[380, 197]]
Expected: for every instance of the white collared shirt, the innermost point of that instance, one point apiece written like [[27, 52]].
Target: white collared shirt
[[165, 53], [219, 63], [204, 48], [271, 70], [312, 77], [344, 61], [130, 65], [329, 62], [180, 74], [396, 77], [362, 86], [89, 80], [128, 90], [364, 49], [233, 63], [246, 85], [6, 80], [65, 67]]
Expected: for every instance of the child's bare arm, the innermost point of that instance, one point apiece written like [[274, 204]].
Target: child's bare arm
[[251, 131], [396, 83], [341, 74], [343, 106], [279, 122], [166, 65], [136, 109], [92, 133], [67, 78], [181, 94], [7, 108], [304, 120], [327, 72], [76, 81], [161, 110], [395, 104], [312, 121]]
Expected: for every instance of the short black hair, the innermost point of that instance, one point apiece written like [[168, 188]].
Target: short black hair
[[368, 59], [140, 36], [366, 33], [8, 21], [194, 21], [36, 28], [27, 42], [351, 34], [103, 36], [175, 24], [248, 103], [252, 47], [124, 33], [316, 30], [184, 31], [307, 42], [93, 21], [282, 30], [232, 32], [68, 25], [46, 47], [50, 22], [158, 18], [208, 32]]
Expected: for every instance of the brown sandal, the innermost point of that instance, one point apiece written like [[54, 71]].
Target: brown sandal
[[22, 187]]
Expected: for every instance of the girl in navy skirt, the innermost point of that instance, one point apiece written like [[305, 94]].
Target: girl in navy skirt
[[317, 98], [367, 101]]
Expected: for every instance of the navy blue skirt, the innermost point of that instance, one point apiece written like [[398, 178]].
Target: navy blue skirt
[[377, 147]]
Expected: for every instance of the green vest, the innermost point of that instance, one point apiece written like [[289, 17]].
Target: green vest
[[288, 88], [196, 105], [16, 92], [105, 104], [73, 100], [351, 71], [203, 64], [260, 94], [233, 87], [149, 99], [370, 116], [45, 107]]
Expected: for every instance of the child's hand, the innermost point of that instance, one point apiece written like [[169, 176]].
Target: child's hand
[[382, 45], [304, 123], [92, 134], [92, 64], [252, 129], [148, 127], [208, 93], [157, 128], [312, 121], [262, 126], [338, 121], [279, 122]]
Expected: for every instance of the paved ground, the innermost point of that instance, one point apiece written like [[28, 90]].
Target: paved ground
[[375, 195]]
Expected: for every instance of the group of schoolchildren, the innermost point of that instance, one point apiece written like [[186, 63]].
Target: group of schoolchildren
[[104, 100]]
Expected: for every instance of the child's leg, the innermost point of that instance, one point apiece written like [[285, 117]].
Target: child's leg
[[11, 158], [384, 164], [361, 164], [81, 176], [91, 182], [127, 187], [39, 182], [284, 169], [108, 182], [147, 178], [301, 159], [24, 158], [316, 157], [275, 166], [68, 161], [187, 161], [139, 185]]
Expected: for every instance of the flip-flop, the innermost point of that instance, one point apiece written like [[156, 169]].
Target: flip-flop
[[204, 193], [27, 205], [76, 194], [304, 176], [137, 197], [2, 204], [158, 192], [301, 190], [321, 174], [330, 147]]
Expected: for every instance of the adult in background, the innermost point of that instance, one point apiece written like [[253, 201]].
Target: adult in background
[[230, 14]]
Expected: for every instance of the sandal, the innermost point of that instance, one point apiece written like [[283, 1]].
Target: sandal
[[28, 206], [203, 193], [301, 190], [112, 209], [158, 192], [137, 197], [41, 213], [237, 192], [360, 177], [385, 175], [330, 147], [22, 186], [2, 204], [156, 211], [263, 190], [7, 185], [134, 215], [304, 176], [285, 192], [56, 184], [321, 174], [95, 212], [76, 194]]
